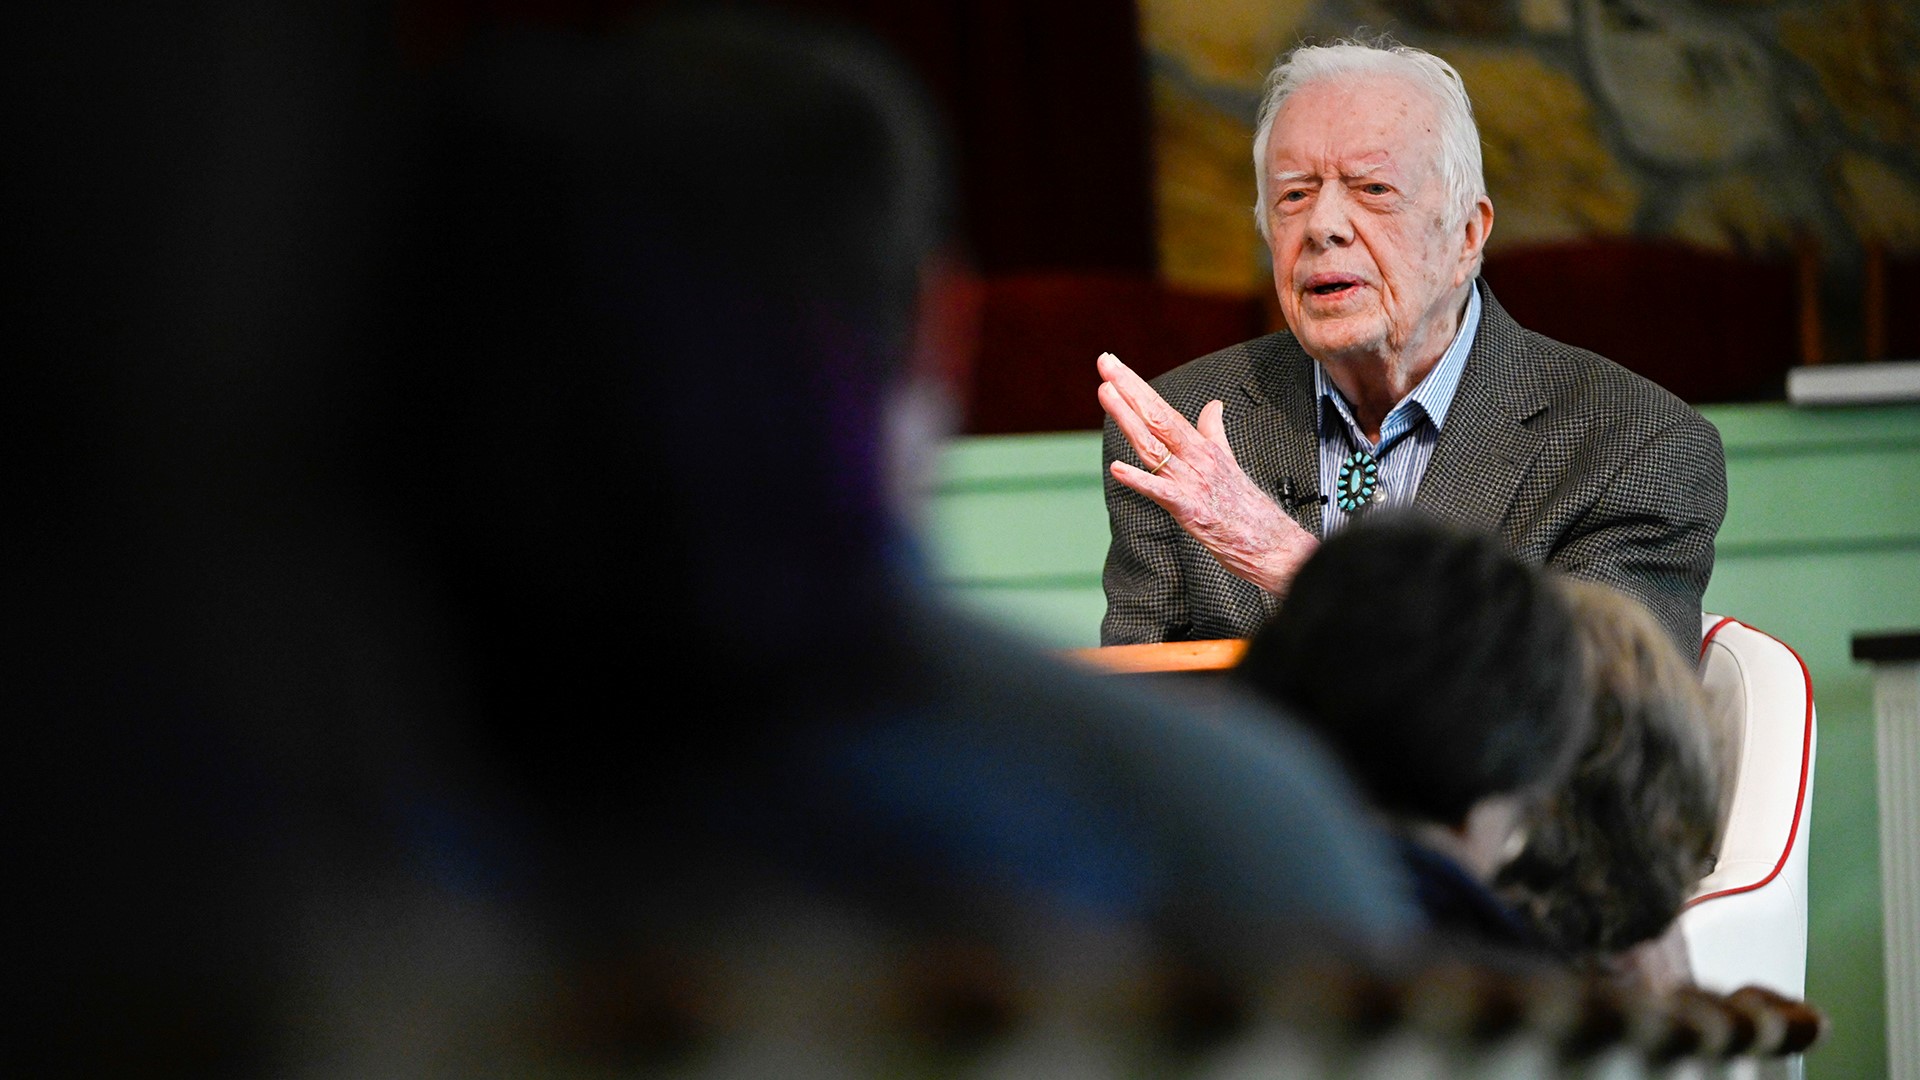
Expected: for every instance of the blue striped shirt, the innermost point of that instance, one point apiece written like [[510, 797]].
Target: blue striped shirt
[[1418, 417]]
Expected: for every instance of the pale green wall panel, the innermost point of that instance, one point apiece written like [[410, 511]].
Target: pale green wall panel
[[1046, 533], [1018, 529], [1817, 601], [1066, 618], [1835, 495], [1073, 455], [1771, 424], [1845, 966]]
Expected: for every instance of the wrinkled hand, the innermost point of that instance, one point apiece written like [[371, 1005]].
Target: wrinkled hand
[[1192, 474]]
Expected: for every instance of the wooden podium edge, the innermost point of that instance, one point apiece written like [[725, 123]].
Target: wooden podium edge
[[1170, 656]]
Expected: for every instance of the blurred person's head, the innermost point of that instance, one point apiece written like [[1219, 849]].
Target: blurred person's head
[[668, 354], [671, 282], [1614, 851], [1444, 673]]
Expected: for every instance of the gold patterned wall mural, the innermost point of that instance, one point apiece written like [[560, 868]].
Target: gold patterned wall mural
[[1744, 127]]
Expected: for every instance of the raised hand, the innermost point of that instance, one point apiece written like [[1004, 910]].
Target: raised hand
[[1191, 472]]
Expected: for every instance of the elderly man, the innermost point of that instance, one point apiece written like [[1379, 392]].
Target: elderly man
[[1399, 380]]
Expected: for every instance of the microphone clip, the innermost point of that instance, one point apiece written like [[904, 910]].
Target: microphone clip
[[1293, 499]]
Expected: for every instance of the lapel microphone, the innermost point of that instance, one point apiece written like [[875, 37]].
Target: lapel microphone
[[1292, 499]]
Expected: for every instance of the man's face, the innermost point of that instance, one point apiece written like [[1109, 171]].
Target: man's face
[[1364, 260]]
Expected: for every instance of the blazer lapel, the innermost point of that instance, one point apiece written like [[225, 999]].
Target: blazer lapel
[[1285, 441], [1485, 448]]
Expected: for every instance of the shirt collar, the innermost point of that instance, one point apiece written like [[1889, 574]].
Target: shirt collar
[[1432, 397]]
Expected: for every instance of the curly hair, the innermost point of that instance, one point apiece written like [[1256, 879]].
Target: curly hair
[[1611, 856]]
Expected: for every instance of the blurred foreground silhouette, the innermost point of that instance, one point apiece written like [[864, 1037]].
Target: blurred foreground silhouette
[[476, 623]]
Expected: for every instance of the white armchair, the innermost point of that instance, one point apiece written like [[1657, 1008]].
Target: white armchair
[[1746, 924]]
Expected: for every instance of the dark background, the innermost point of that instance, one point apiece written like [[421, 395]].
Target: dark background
[[139, 123], [1048, 114]]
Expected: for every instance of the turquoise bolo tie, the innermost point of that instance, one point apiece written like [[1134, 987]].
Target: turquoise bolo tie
[[1357, 485]]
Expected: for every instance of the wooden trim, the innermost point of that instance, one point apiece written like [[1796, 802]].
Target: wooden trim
[[1169, 656], [1874, 303], [1812, 334]]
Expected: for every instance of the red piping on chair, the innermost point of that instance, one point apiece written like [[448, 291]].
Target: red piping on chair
[[1806, 759]]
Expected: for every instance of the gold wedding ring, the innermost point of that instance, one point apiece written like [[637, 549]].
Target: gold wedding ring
[[1162, 463]]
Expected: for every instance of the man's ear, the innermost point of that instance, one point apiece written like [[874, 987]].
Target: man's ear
[[1474, 234], [946, 330]]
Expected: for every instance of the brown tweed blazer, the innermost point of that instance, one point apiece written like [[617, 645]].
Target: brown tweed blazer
[[1574, 461]]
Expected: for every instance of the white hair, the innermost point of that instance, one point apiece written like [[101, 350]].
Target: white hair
[[1348, 58]]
